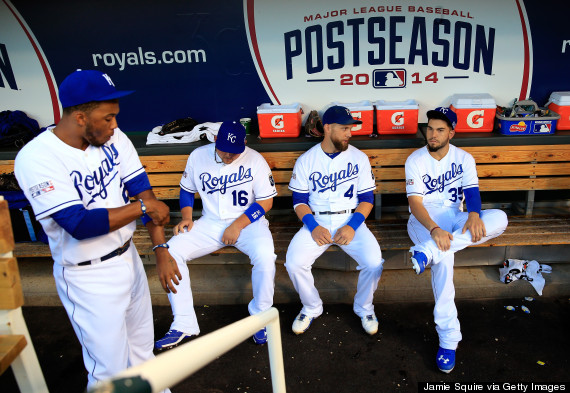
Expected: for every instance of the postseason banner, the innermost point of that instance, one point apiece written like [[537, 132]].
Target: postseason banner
[[217, 61], [523, 387]]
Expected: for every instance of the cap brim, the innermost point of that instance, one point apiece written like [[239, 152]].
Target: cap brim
[[351, 122], [115, 95]]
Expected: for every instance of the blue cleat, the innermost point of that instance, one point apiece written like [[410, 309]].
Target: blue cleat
[[260, 337], [419, 262], [445, 359], [172, 339]]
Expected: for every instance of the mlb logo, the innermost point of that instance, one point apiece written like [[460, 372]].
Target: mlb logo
[[386, 79], [542, 128]]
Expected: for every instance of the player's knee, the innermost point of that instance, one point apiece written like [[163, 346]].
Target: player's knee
[[373, 263], [498, 220]]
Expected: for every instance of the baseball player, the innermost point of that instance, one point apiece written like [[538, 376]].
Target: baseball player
[[237, 189], [79, 176], [333, 186], [439, 177]]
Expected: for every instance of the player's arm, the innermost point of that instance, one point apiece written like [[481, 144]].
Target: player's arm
[[82, 223], [344, 235], [440, 237], [474, 223], [320, 234], [253, 213]]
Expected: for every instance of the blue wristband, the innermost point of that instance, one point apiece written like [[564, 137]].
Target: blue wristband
[[356, 220], [254, 212], [310, 222]]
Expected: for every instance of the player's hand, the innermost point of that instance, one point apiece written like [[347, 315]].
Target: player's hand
[[183, 226], [442, 239], [231, 235], [321, 236], [476, 226], [158, 211], [167, 270], [344, 235]]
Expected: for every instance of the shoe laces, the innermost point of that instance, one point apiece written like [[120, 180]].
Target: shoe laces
[[369, 318]]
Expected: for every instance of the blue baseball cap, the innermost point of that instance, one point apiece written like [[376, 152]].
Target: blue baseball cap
[[445, 114], [231, 137], [84, 86], [339, 115]]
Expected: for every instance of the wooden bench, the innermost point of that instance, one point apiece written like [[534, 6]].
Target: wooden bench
[[16, 347], [500, 168]]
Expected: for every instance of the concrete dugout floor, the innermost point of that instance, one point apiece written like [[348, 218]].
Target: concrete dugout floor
[[335, 355]]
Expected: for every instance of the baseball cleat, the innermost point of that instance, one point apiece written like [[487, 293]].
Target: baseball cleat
[[419, 262], [445, 359], [370, 324], [302, 323], [260, 337], [172, 339]]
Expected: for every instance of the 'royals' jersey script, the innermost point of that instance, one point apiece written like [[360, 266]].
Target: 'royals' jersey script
[[332, 184], [54, 176], [227, 190], [440, 183]]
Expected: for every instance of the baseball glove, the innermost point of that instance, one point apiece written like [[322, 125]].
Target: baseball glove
[[179, 125], [314, 125]]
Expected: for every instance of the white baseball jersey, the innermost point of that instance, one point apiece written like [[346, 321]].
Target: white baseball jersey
[[227, 190], [54, 176], [332, 184], [440, 183]]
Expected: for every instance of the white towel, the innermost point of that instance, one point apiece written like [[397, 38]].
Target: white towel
[[520, 269], [200, 132]]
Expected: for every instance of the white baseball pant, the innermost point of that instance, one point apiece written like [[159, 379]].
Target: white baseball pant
[[450, 220], [205, 237], [364, 249], [109, 306]]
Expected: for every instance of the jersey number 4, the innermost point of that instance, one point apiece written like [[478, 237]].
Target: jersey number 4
[[350, 192], [240, 198]]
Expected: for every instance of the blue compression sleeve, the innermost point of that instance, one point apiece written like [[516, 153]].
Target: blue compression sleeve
[[366, 197], [82, 223], [473, 199], [300, 197], [138, 184], [186, 199]]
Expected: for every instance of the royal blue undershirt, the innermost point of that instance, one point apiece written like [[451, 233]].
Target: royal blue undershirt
[[473, 199], [186, 199], [82, 223]]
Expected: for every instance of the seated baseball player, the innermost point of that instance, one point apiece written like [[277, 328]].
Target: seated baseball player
[[333, 186], [79, 176], [237, 189], [439, 177]]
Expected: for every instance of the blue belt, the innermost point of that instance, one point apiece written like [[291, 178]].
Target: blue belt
[[119, 251]]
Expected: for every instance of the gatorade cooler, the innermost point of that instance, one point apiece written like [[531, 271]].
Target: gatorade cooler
[[475, 112], [279, 121], [559, 102], [397, 117], [363, 111]]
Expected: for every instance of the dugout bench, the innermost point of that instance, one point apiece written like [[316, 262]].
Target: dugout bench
[[501, 166]]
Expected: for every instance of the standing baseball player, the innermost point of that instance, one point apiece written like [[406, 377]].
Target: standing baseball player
[[237, 189], [439, 177], [333, 186], [79, 176]]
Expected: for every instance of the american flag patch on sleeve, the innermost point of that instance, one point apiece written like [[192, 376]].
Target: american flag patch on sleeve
[[410, 182], [42, 188]]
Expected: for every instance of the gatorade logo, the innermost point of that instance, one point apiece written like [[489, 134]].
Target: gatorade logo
[[397, 118], [277, 121], [475, 119], [356, 116]]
